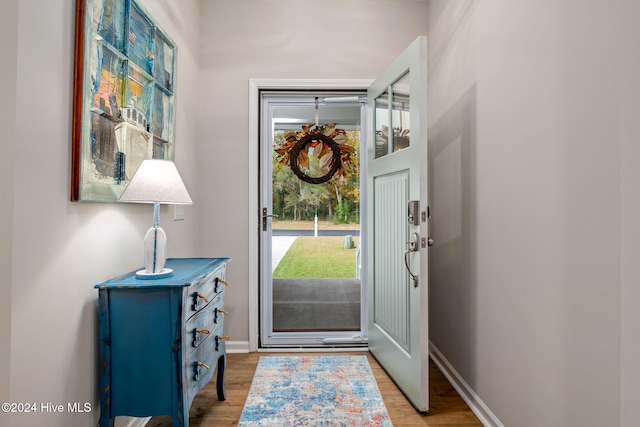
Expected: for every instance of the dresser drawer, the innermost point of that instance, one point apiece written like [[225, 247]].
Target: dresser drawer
[[201, 363], [203, 291], [204, 323]]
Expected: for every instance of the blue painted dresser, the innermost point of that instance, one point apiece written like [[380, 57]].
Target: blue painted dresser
[[161, 340]]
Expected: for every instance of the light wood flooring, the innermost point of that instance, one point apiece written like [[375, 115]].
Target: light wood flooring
[[447, 407]]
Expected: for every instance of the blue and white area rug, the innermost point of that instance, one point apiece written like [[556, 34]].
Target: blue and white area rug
[[314, 391]]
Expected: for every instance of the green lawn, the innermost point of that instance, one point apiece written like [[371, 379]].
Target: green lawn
[[322, 256], [279, 224]]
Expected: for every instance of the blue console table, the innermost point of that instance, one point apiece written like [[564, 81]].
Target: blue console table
[[161, 340]]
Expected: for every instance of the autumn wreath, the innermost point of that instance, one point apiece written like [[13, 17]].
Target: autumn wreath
[[326, 143]]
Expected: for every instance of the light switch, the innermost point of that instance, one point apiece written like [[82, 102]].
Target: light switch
[[178, 212]]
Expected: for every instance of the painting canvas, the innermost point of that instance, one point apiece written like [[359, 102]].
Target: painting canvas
[[124, 97]]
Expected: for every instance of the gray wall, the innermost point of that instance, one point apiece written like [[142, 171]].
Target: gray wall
[[57, 250], [630, 224], [62, 249], [531, 109], [8, 47], [532, 113]]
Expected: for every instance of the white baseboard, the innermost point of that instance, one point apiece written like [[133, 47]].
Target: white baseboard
[[237, 346], [482, 411]]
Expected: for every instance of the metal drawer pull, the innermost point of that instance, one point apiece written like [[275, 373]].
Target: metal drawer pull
[[215, 314], [196, 373], [224, 282], [197, 337], [220, 337], [203, 297]]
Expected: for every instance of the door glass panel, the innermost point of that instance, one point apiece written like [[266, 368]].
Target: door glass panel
[[382, 125], [315, 263], [316, 285], [400, 113]]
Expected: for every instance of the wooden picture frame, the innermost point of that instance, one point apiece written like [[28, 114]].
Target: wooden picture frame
[[124, 97]]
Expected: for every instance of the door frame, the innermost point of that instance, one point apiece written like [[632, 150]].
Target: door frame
[[255, 216], [270, 102]]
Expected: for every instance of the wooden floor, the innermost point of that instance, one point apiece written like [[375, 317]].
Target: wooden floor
[[447, 407]]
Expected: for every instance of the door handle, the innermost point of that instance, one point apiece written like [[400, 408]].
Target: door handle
[[413, 247], [264, 218]]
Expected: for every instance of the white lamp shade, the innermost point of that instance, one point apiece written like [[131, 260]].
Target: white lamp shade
[[156, 181]]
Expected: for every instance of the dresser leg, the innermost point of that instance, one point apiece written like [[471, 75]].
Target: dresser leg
[[220, 377]]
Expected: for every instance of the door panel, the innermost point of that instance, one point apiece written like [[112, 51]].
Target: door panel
[[390, 296], [397, 160]]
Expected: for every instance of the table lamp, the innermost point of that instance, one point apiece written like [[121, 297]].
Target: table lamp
[[156, 181]]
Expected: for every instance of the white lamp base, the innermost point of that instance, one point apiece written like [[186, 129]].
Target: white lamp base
[[146, 275], [155, 255]]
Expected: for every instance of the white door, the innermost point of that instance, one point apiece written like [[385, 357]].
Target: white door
[[397, 228]]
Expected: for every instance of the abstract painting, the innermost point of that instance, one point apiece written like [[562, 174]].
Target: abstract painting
[[124, 97]]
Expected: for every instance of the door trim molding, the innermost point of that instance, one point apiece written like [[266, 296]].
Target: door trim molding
[[255, 86]]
